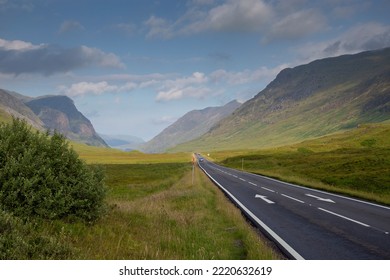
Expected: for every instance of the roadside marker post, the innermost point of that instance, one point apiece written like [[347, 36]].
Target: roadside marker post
[[193, 168]]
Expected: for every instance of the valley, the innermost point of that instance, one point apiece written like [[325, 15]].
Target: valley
[[323, 125]]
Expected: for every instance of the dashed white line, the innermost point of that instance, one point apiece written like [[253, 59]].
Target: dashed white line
[[242, 179], [252, 184], [346, 218], [293, 198], [235, 176], [267, 189]]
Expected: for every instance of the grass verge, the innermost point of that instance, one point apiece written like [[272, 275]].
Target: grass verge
[[354, 163], [157, 213]]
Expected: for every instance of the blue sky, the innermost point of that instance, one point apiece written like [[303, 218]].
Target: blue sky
[[135, 66]]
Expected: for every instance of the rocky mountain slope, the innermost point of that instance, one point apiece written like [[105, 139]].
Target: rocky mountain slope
[[13, 106], [50, 112], [307, 101], [190, 126]]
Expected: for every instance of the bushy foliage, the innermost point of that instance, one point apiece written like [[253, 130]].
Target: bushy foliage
[[40, 175], [20, 240]]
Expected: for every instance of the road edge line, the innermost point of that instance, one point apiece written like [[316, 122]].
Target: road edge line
[[285, 246]]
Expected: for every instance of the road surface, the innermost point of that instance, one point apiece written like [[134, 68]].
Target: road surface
[[306, 223]]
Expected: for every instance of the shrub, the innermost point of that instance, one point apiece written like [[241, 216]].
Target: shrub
[[21, 240], [40, 175]]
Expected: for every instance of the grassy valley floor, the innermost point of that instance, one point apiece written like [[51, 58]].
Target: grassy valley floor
[[157, 213], [355, 163]]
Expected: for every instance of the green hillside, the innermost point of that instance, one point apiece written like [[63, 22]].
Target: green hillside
[[307, 101], [355, 162]]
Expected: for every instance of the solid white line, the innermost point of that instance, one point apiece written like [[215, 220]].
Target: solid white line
[[346, 218], [267, 189], [293, 198], [276, 237], [252, 184]]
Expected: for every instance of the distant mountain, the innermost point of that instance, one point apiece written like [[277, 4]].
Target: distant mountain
[[122, 142], [49, 112], [60, 114], [307, 101], [10, 105], [190, 126]]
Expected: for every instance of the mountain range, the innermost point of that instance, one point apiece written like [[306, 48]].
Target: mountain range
[[307, 101], [190, 126], [54, 113], [123, 142]]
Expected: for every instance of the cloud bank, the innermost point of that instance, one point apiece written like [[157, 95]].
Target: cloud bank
[[19, 57]]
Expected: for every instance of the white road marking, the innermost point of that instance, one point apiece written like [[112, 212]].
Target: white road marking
[[267, 189], [252, 184], [276, 237], [293, 198], [235, 176], [242, 179], [346, 218], [320, 198], [264, 198]]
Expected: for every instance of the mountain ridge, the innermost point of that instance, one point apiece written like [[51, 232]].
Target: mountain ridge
[[307, 101], [52, 112], [190, 126]]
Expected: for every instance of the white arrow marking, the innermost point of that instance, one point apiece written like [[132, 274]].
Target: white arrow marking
[[264, 198], [320, 198]]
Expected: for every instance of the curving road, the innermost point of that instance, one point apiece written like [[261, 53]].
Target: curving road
[[307, 223]]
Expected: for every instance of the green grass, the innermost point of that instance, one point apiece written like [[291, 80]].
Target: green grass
[[355, 163], [156, 213], [98, 155]]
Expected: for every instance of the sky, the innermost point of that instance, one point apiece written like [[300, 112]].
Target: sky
[[133, 67]]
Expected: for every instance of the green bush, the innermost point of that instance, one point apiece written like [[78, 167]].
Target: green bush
[[20, 240], [40, 175]]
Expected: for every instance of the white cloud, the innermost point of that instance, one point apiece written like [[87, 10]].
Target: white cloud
[[246, 76], [240, 16], [230, 16], [99, 88], [70, 25], [159, 28], [296, 25], [368, 36], [84, 88], [18, 57], [18, 45], [176, 93], [192, 86]]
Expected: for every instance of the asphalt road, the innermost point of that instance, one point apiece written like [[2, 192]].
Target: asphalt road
[[306, 223]]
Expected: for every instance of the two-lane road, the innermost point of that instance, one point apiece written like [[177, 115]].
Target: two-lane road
[[307, 223]]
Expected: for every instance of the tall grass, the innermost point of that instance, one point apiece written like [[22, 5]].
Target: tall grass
[[355, 163], [157, 213]]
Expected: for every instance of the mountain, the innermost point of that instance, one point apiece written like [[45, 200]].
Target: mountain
[[190, 126], [12, 105], [122, 142], [49, 112], [307, 101], [60, 114]]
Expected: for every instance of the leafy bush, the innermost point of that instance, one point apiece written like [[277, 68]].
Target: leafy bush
[[20, 240], [40, 175]]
